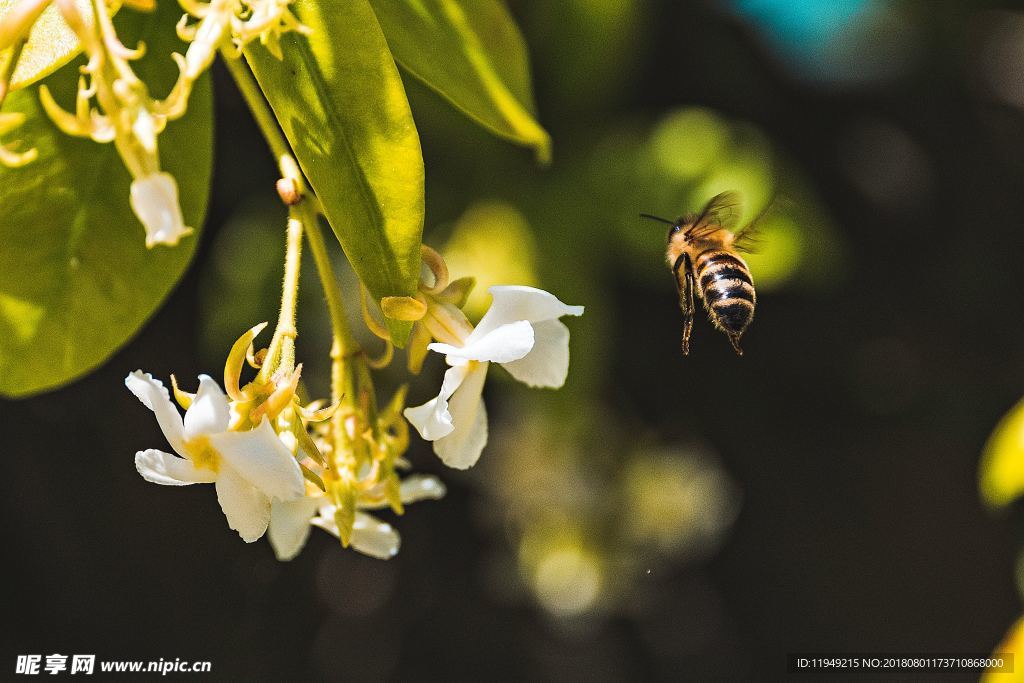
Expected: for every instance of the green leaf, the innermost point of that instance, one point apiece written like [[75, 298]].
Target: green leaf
[[340, 101], [51, 44], [471, 52], [1002, 462], [76, 280]]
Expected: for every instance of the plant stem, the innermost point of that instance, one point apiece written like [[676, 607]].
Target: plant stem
[[265, 118], [281, 353], [344, 344], [345, 385]]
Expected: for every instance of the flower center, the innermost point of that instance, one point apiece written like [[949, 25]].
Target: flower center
[[204, 456]]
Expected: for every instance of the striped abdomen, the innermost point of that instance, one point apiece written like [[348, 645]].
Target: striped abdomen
[[724, 283]]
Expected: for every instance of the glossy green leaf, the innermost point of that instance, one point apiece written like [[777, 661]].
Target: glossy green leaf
[[1002, 463], [340, 101], [51, 44], [471, 52], [76, 279]]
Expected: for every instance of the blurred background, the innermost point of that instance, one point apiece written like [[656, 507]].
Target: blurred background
[[660, 516]]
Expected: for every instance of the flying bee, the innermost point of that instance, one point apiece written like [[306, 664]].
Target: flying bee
[[704, 254]]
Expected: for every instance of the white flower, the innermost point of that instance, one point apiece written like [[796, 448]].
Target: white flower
[[290, 521], [521, 331], [248, 468], [154, 199]]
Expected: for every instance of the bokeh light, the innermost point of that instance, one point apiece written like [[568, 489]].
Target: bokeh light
[[492, 242], [588, 516], [679, 501], [836, 42], [1000, 58], [685, 144], [566, 578]]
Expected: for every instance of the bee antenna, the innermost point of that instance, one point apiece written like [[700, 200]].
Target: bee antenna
[[657, 218]]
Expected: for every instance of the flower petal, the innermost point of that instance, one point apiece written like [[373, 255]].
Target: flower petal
[[514, 302], [246, 507], [262, 459], [547, 364], [375, 538], [412, 489], [421, 487], [461, 449], [170, 470], [370, 536], [325, 519], [432, 419], [289, 524], [503, 344], [154, 396], [154, 199], [209, 412]]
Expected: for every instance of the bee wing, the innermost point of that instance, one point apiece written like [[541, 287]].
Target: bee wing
[[747, 241], [750, 236], [724, 208], [722, 211]]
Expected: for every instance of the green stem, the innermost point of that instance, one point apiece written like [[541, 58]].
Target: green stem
[[306, 210], [345, 350], [265, 118], [281, 353], [345, 385], [344, 343]]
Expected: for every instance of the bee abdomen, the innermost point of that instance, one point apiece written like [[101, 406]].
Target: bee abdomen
[[727, 290], [733, 315]]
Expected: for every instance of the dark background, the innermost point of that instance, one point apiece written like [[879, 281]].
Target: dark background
[[850, 430]]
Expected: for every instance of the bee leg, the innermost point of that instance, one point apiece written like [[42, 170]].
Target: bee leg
[[689, 315], [734, 339], [685, 286]]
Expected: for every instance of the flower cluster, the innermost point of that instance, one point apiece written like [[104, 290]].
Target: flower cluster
[[281, 467], [274, 462], [361, 451], [113, 104]]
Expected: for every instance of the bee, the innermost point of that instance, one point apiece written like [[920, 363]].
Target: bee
[[704, 255]]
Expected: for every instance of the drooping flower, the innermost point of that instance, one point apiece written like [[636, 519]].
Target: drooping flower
[[248, 468], [522, 332], [291, 521], [114, 105], [154, 199]]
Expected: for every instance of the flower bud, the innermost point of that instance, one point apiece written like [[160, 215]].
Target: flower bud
[[154, 199]]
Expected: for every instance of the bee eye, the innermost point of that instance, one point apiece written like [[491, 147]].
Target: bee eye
[[673, 230]]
